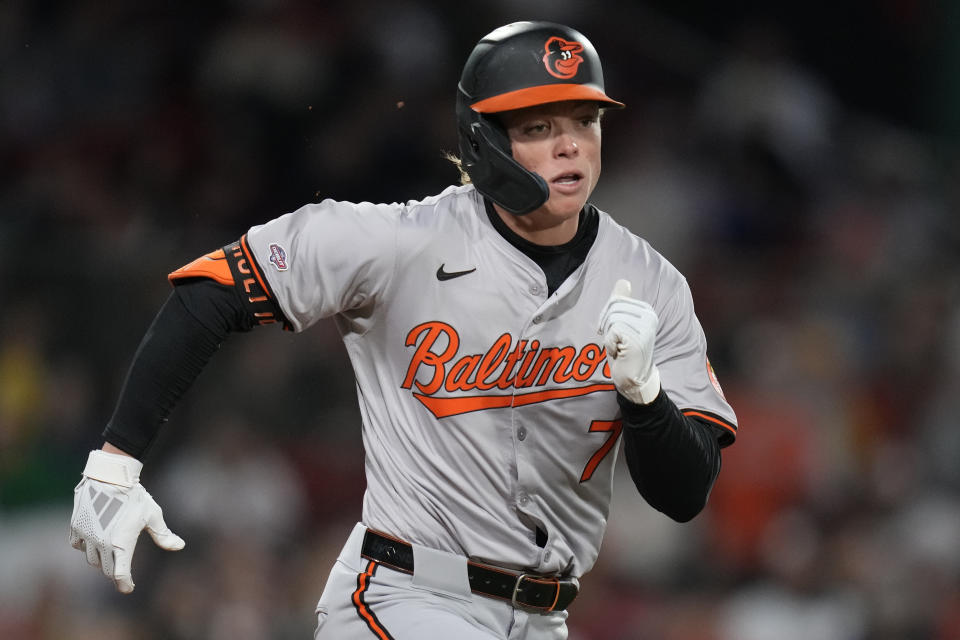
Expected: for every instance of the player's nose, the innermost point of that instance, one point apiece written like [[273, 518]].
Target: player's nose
[[566, 145]]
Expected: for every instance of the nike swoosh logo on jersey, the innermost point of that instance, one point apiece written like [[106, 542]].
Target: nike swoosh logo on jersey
[[450, 275]]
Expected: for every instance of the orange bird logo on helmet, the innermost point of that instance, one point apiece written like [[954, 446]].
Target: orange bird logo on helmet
[[562, 57]]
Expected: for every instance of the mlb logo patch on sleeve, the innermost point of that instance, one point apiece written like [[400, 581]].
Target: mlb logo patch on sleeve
[[278, 257]]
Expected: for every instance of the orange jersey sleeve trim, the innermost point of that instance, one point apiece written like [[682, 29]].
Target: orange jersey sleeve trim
[[703, 416], [213, 265]]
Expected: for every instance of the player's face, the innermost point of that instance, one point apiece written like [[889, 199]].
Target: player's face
[[559, 141]]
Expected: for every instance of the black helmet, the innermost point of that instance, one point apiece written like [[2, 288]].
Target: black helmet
[[519, 65]]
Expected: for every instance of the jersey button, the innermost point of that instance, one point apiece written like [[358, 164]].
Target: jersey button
[[521, 434], [524, 500], [535, 289], [537, 319]]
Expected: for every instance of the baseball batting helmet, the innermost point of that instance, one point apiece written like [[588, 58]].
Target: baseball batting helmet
[[519, 65]]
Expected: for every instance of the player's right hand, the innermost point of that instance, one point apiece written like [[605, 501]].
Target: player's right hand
[[110, 509], [629, 330]]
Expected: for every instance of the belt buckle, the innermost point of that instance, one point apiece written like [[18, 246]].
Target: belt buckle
[[529, 607]]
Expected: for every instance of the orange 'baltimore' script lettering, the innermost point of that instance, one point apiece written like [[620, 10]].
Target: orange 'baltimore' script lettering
[[437, 364]]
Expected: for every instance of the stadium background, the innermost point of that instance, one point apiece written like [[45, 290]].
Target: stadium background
[[797, 162]]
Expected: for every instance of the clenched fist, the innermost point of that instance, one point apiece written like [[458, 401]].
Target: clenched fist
[[629, 330]]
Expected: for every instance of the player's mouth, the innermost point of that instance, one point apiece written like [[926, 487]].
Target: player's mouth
[[568, 182]]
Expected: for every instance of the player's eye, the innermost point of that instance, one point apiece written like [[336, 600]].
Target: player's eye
[[535, 128], [589, 119]]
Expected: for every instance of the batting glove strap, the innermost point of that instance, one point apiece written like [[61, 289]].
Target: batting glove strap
[[113, 468], [641, 392]]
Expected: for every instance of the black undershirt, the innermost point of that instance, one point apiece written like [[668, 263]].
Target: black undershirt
[[559, 261], [673, 459]]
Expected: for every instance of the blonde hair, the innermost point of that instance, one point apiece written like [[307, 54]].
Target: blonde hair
[[458, 163]]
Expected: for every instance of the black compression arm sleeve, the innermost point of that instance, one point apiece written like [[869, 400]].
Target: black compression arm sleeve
[[673, 459], [185, 334]]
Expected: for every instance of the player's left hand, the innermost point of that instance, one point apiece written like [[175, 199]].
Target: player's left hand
[[629, 329]]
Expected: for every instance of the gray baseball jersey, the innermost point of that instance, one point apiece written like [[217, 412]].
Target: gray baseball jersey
[[487, 406]]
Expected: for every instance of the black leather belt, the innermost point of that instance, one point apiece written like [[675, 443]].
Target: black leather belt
[[537, 593]]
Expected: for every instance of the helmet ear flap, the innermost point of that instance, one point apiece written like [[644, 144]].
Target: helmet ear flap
[[487, 158], [510, 185]]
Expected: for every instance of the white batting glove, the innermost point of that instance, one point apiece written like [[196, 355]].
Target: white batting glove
[[629, 327], [110, 509]]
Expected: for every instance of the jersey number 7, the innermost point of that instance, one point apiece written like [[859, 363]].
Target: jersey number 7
[[614, 427]]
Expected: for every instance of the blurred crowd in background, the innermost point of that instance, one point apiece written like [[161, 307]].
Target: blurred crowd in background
[[787, 162]]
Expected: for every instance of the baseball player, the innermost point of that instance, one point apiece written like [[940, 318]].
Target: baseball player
[[507, 339]]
